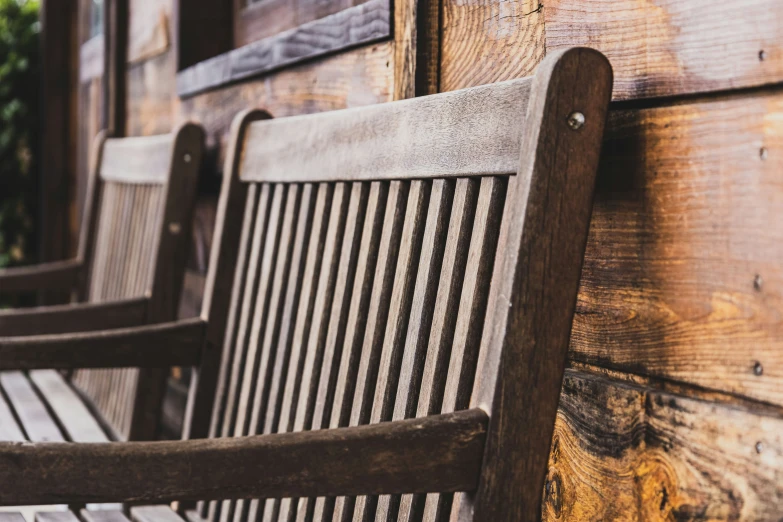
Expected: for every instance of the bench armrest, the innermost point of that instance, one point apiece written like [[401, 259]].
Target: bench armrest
[[155, 346], [440, 453], [78, 317], [56, 275]]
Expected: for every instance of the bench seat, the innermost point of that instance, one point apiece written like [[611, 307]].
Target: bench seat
[[41, 406], [137, 514]]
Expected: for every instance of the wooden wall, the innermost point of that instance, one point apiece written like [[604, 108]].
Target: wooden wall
[[673, 406]]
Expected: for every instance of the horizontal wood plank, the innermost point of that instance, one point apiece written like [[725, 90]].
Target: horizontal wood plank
[[56, 516], [627, 452], [350, 27], [660, 48], [69, 318], [471, 132], [154, 514], [145, 159], [74, 416], [45, 276], [157, 346], [38, 424], [102, 515], [671, 47], [359, 77], [438, 453], [9, 428], [682, 276]]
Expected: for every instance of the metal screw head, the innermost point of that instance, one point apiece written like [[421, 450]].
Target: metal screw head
[[187, 157], [762, 55], [758, 282], [759, 447], [576, 120], [758, 369], [175, 228], [763, 153]]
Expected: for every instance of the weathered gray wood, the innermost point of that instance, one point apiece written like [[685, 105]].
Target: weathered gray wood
[[226, 263], [9, 429], [520, 370], [55, 516], [73, 317], [154, 514], [155, 346], [171, 243], [144, 159], [102, 515], [54, 275], [473, 132], [355, 25], [38, 425], [75, 418], [441, 453], [11, 517]]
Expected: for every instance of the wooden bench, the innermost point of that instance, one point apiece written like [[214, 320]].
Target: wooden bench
[[128, 272], [392, 316]]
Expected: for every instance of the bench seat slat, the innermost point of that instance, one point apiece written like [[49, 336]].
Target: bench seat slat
[[9, 428], [154, 514], [79, 423], [32, 412], [103, 515], [56, 516]]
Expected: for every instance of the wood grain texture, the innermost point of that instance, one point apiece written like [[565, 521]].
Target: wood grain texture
[[657, 48], [34, 417], [681, 230], [102, 515], [358, 77], [56, 274], [533, 293], [361, 24], [168, 344], [490, 41], [470, 132], [397, 457], [143, 160], [669, 47], [623, 451], [77, 421], [60, 319]]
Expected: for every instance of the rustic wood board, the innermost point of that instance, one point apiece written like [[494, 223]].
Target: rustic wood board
[[658, 48], [625, 452], [357, 25], [489, 41], [682, 277], [362, 76]]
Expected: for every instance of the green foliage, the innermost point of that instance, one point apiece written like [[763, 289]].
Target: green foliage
[[19, 128]]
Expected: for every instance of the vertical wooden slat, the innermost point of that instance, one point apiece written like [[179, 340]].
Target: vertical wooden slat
[[338, 319], [414, 346], [435, 365], [376, 319], [304, 316], [253, 357], [357, 320], [472, 309], [238, 288], [283, 271], [240, 348], [318, 329], [397, 325]]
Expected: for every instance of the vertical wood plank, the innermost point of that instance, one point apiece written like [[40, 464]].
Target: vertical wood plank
[[357, 320]]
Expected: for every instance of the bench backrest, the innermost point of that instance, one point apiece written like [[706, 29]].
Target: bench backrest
[[134, 239], [403, 260]]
